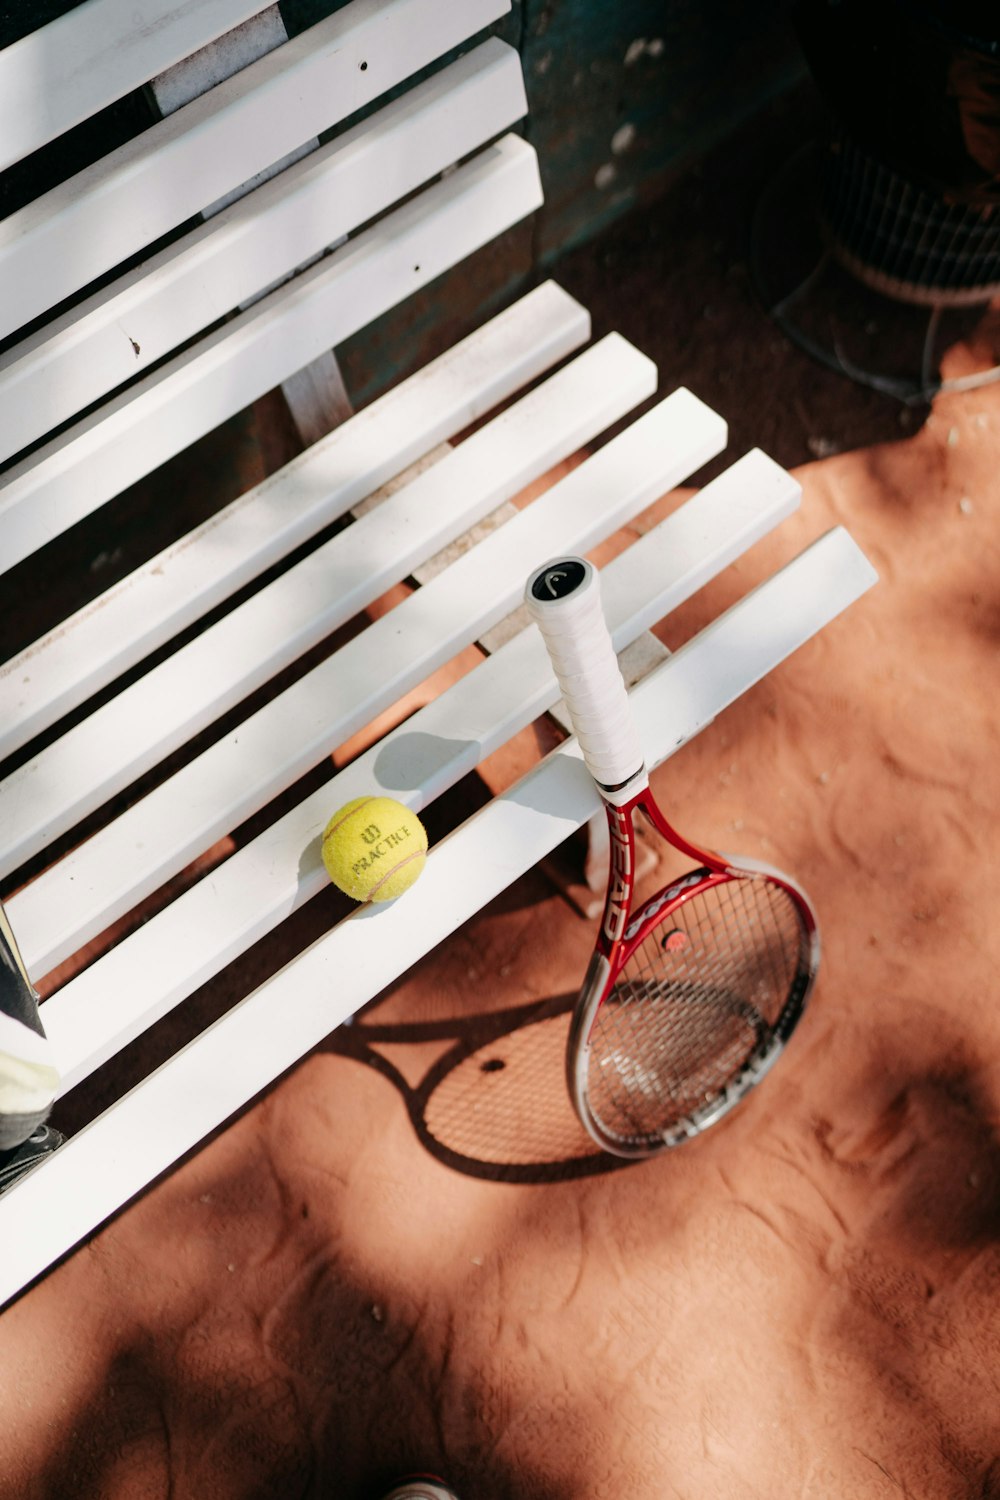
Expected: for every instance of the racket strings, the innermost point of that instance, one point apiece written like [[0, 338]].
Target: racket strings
[[698, 998]]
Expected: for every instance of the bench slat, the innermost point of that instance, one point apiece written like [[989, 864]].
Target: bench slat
[[176, 587], [195, 156], [129, 988], [171, 407], [239, 653], [99, 52], [131, 325], [240, 773], [45, 1214]]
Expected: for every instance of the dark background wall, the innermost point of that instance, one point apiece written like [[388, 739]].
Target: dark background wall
[[621, 94], [622, 91]]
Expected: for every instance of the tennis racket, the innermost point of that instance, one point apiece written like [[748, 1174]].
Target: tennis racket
[[689, 998]]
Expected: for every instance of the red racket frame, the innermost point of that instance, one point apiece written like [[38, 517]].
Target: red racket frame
[[622, 931]]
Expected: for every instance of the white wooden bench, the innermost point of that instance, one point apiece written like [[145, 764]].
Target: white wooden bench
[[121, 378]]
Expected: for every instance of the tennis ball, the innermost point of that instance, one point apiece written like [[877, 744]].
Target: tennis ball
[[374, 848]]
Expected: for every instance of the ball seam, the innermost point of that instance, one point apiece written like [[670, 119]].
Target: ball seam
[[417, 854], [349, 813]]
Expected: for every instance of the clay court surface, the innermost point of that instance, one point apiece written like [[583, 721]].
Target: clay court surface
[[406, 1255]]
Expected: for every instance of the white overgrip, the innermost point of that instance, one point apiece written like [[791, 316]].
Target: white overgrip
[[564, 599]]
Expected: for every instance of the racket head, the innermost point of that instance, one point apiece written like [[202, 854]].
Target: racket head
[[678, 1020]]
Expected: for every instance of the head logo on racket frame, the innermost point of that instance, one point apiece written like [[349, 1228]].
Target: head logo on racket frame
[[620, 878]]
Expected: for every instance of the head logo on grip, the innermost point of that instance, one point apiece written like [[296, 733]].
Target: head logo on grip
[[559, 580]]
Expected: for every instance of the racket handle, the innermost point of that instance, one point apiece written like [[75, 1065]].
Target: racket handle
[[564, 600]]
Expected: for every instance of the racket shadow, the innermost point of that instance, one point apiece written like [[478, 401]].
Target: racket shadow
[[494, 1104]]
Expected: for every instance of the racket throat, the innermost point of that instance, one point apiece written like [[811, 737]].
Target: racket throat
[[624, 794]]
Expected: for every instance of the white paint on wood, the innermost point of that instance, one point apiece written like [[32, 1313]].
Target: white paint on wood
[[158, 713], [445, 739], [198, 1089], [315, 395], [201, 569], [238, 774], [182, 164], [212, 65], [68, 70], [136, 321], [189, 395]]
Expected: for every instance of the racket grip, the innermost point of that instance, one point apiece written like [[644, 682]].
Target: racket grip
[[564, 599]]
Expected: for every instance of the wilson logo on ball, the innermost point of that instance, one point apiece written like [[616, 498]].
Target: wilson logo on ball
[[374, 861]]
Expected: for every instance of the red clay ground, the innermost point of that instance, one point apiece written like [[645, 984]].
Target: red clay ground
[[357, 1278]]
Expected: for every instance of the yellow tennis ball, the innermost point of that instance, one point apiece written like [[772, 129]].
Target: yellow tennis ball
[[374, 848]]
